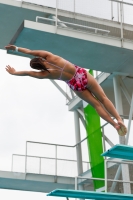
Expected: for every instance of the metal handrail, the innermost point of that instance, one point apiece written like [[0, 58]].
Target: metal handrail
[[59, 145], [106, 179], [100, 179], [56, 145], [47, 158], [103, 179], [54, 20], [40, 157], [122, 2]]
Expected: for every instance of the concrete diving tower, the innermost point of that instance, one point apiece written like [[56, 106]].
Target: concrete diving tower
[[99, 45]]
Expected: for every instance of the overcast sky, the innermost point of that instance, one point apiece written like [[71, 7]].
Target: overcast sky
[[32, 109]]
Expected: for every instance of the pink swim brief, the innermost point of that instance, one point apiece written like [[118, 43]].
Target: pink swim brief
[[79, 80]]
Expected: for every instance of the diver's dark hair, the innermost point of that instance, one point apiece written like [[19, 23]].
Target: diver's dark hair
[[36, 63]]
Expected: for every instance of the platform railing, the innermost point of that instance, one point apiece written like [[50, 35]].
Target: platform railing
[[56, 160], [113, 7], [78, 178], [58, 22], [117, 32], [40, 170]]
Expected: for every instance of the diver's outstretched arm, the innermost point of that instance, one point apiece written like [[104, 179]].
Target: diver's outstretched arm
[[39, 53], [34, 74]]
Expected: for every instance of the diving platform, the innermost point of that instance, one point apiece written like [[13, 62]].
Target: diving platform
[[89, 195], [34, 182], [46, 183], [120, 151]]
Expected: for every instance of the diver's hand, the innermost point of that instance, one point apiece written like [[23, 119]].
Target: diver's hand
[[10, 47], [10, 70]]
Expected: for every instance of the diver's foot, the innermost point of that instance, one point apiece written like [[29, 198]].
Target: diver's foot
[[123, 130], [118, 128]]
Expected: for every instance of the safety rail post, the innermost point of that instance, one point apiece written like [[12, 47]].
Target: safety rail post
[[104, 146], [118, 12], [96, 73], [112, 10], [121, 14], [74, 8], [12, 164], [26, 160], [105, 164], [78, 146], [56, 14], [55, 163], [76, 183], [40, 166], [130, 119]]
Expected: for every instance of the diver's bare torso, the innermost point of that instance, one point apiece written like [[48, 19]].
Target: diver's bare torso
[[60, 64]]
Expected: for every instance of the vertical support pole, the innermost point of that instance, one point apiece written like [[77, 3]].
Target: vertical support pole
[[118, 12], [104, 146], [105, 164], [78, 147], [121, 14], [118, 101], [112, 11], [119, 107], [26, 160], [12, 164], [76, 183], [123, 11], [117, 176], [129, 121], [56, 16], [55, 163], [40, 166], [105, 161], [21, 3], [96, 73], [74, 8]]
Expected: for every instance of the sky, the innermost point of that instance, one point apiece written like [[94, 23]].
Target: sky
[[34, 110]]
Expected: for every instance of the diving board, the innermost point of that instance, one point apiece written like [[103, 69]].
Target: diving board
[[120, 151], [89, 195]]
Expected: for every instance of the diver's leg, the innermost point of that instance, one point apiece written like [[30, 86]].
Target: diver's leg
[[88, 97], [98, 92]]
